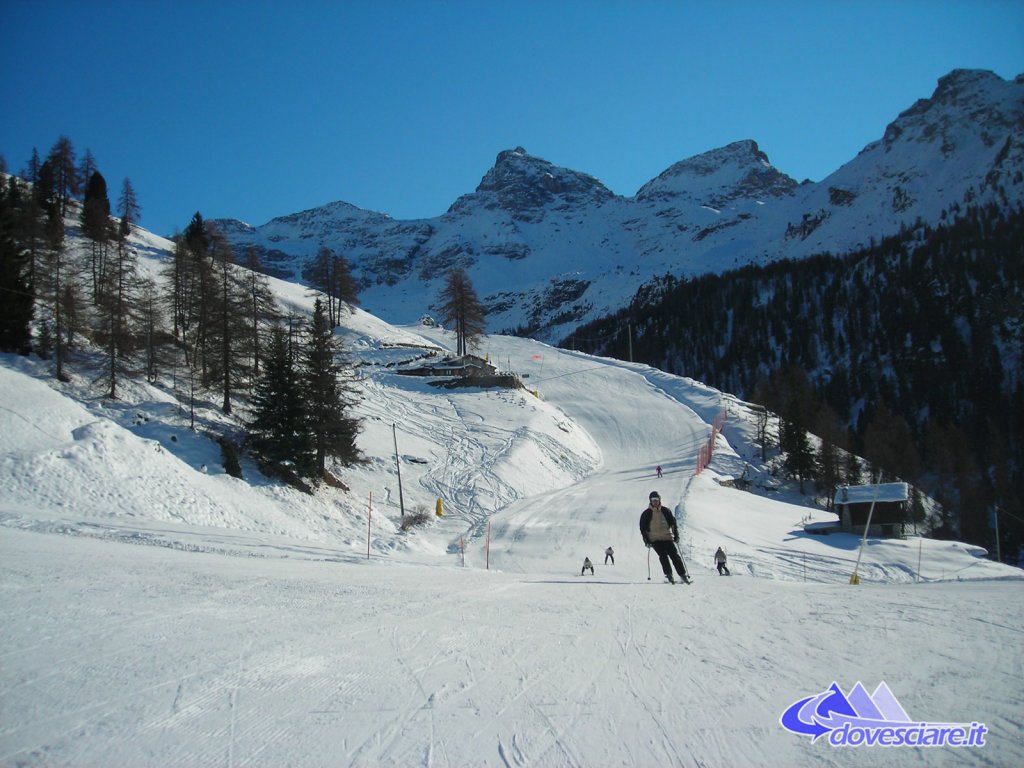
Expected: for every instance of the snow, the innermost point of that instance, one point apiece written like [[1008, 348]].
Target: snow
[[157, 611], [867, 493]]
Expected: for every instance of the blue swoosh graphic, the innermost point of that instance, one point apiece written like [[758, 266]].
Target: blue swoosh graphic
[[817, 715]]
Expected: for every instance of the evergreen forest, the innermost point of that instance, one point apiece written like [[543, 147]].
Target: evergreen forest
[[72, 292], [907, 353]]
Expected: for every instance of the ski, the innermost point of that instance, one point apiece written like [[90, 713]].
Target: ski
[[681, 580]]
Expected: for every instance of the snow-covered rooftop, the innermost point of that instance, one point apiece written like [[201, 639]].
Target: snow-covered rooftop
[[865, 494]]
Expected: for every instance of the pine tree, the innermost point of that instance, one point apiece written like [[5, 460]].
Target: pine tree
[[917, 511], [57, 288], [96, 209], [279, 428], [261, 307], [45, 190], [128, 208], [829, 470], [331, 274], [797, 413], [117, 309], [196, 296], [30, 222], [346, 292], [150, 321], [327, 398], [17, 294], [175, 273], [192, 287], [889, 444], [829, 460], [65, 173], [799, 458], [461, 308], [87, 166], [96, 226], [762, 396], [229, 320]]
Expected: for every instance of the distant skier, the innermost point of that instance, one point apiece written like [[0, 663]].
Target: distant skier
[[609, 554], [723, 569], [587, 564], [658, 470], [659, 531]]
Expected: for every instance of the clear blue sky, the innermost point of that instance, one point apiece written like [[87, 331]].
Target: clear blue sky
[[259, 109]]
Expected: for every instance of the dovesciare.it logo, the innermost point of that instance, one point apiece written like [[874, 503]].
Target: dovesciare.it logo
[[859, 719]]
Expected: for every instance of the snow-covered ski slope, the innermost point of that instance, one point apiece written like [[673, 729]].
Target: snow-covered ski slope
[[156, 611]]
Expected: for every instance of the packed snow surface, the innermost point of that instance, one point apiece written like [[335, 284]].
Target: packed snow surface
[[156, 611]]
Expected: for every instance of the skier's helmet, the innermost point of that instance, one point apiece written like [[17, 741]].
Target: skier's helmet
[[654, 495]]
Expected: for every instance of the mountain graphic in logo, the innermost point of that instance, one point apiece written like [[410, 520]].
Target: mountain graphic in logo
[[860, 719], [832, 709]]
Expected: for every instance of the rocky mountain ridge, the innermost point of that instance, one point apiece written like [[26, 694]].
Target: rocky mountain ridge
[[549, 248]]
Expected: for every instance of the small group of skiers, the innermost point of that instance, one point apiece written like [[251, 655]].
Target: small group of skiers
[[659, 531], [609, 554]]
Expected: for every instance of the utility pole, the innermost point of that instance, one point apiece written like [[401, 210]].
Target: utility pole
[[855, 578], [995, 518], [398, 464]]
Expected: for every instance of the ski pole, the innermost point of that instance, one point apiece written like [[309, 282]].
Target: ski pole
[[680, 552], [648, 563]]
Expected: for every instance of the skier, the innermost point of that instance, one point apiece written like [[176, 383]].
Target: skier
[[587, 564], [723, 569], [609, 554], [658, 470], [659, 531]]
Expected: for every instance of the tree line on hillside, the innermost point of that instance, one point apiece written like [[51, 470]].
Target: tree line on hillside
[[907, 353], [211, 324], [208, 325]]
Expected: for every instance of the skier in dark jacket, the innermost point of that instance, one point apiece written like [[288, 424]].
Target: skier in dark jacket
[[659, 531]]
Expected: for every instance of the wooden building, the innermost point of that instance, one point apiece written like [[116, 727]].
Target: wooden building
[[891, 508], [464, 366]]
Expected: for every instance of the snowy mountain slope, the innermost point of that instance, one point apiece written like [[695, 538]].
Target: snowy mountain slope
[[736, 172], [961, 145], [548, 248], [252, 624]]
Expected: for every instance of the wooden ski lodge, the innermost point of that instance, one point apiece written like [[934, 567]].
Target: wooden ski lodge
[[891, 508]]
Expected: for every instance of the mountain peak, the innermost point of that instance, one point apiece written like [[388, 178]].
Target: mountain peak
[[962, 79], [584, 252], [964, 101], [511, 155], [526, 185], [718, 176]]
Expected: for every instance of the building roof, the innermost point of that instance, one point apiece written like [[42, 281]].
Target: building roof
[[466, 364], [865, 494]]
